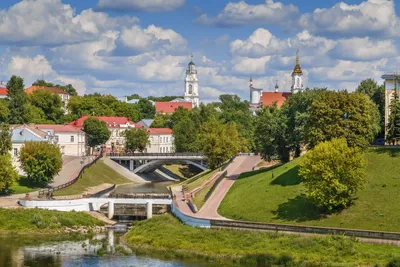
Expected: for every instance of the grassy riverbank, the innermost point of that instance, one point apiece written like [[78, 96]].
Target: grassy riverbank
[[276, 196], [96, 175], [183, 171], [168, 234], [38, 221]]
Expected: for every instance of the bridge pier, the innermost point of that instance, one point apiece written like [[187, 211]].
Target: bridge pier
[[110, 209], [131, 167], [149, 210]]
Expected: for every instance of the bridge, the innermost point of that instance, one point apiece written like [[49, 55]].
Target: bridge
[[148, 162]]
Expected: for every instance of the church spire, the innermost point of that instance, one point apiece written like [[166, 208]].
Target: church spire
[[297, 69], [276, 86]]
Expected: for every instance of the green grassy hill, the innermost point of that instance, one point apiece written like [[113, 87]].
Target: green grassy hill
[[276, 195]]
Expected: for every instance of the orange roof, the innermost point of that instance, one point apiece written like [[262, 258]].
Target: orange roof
[[112, 122], [54, 90], [159, 130], [170, 107], [269, 98], [59, 128], [3, 91]]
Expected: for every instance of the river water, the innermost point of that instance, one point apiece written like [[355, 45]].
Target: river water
[[18, 251]]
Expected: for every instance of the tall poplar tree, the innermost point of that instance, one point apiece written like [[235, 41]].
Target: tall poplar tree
[[393, 130], [17, 100]]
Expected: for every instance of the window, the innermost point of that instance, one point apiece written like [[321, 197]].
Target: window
[[160, 139], [160, 149], [190, 89], [72, 138], [56, 138], [117, 132], [167, 139], [15, 152]]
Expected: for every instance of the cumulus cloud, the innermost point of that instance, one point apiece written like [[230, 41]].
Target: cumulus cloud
[[152, 38], [140, 5], [371, 17], [251, 66], [50, 22], [241, 13]]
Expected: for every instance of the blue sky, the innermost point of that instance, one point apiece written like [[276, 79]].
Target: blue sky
[[133, 46]]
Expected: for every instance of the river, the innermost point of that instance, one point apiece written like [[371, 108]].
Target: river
[[19, 251]]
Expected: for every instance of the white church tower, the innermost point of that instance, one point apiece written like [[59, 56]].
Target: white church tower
[[297, 76], [192, 85]]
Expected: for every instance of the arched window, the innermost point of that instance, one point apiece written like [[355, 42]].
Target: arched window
[[190, 89], [298, 82]]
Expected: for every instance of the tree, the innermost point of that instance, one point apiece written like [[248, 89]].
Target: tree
[[126, 110], [146, 109], [186, 136], [49, 103], [34, 114], [96, 131], [161, 121], [136, 139], [67, 88], [271, 125], [333, 173], [8, 173], [352, 116], [40, 161], [5, 139], [393, 128], [17, 100], [219, 141], [4, 110]]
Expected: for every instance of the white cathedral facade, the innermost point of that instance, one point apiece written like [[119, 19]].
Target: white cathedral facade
[[191, 93]]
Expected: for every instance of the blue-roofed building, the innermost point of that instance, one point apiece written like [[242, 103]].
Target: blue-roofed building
[[27, 133], [146, 123]]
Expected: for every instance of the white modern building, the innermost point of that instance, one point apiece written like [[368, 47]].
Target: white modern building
[[161, 140], [71, 140]]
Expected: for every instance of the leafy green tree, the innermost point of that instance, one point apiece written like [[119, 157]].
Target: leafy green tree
[[186, 136], [34, 114], [146, 109], [92, 105], [136, 139], [49, 103], [17, 100], [134, 96], [126, 110], [333, 173], [393, 129], [41, 161], [67, 88], [219, 141], [162, 98], [161, 121], [5, 139], [96, 131], [8, 173], [376, 93], [271, 126], [352, 116], [4, 110]]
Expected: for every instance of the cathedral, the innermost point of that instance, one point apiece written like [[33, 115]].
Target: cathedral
[[258, 98], [191, 93]]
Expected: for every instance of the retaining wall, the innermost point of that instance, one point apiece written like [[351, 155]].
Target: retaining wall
[[188, 220]]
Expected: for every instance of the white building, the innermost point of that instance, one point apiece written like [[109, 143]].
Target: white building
[[392, 84], [192, 85], [297, 77], [71, 140], [161, 140]]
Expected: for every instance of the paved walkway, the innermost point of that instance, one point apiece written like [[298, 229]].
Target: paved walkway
[[210, 208]]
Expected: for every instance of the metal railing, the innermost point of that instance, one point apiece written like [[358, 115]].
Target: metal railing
[[69, 183], [131, 154]]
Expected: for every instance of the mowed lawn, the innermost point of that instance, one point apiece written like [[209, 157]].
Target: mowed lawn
[[97, 174], [277, 196]]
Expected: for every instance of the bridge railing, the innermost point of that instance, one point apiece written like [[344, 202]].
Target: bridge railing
[[130, 154]]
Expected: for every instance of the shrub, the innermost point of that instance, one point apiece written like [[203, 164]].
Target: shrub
[[39, 221], [394, 263]]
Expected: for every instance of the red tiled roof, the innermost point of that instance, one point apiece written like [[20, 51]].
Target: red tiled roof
[[3, 91], [159, 130], [59, 128], [170, 107], [109, 120], [54, 90], [268, 98]]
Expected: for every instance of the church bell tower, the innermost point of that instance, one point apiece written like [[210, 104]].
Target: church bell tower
[[297, 76], [192, 85]]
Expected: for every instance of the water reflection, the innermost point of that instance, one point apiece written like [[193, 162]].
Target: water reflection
[[160, 187]]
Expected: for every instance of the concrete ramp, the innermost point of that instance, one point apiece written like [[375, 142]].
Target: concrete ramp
[[124, 171]]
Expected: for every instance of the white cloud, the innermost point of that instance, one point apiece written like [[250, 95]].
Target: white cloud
[[251, 66], [364, 49], [167, 68], [371, 17], [49, 22], [241, 13], [141, 5], [152, 38]]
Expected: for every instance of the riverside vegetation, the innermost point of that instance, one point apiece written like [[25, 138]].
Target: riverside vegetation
[[168, 234]]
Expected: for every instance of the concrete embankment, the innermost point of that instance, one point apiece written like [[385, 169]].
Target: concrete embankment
[[124, 171]]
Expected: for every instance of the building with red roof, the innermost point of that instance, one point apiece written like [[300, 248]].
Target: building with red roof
[[64, 95], [161, 140], [170, 107], [269, 98], [3, 92]]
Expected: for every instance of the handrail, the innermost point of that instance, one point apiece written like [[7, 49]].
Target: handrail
[[69, 183], [130, 154]]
